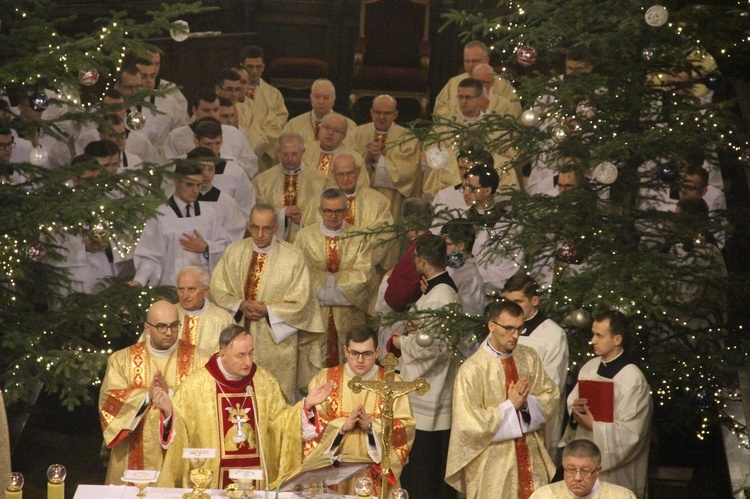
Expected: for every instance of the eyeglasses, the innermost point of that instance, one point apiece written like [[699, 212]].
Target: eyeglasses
[[467, 97], [330, 213], [584, 473], [472, 188], [7, 145], [162, 328], [356, 355], [510, 329]]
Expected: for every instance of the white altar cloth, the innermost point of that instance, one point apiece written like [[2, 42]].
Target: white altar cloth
[[128, 492]]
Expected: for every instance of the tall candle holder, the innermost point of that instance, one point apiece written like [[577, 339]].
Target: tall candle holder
[[15, 486], [56, 481]]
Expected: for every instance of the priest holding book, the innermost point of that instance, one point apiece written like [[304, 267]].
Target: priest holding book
[[611, 406]]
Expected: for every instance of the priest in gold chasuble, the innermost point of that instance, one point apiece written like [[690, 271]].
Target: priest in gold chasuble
[[136, 390], [366, 210], [501, 400], [321, 154], [390, 153], [351, 422], [201, 320], [266, 284], [290, 186], [237, 407], [342, 274]]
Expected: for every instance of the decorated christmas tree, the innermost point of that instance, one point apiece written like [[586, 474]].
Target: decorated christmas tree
[[647, 99], [53, 336]]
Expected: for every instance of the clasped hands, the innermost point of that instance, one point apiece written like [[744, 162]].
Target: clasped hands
[[254, 309], [357, 419], [518, 392], [159, 395]]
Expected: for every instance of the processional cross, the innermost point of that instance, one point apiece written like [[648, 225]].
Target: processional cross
[[389, 390]]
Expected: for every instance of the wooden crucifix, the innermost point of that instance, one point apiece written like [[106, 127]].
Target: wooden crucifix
[[389, 390]]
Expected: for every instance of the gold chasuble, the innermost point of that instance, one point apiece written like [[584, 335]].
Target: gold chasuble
[[280, 189], [282, 281], [368, 209], [478, 466], [333, 413], [400, 163], [349, 263], [131, 428], [203, 327], [215, 412]]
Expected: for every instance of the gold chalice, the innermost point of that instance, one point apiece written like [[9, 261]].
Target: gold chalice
[[200, 478]]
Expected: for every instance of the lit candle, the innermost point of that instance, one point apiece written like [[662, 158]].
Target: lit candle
[[56, 481], [14, 490]]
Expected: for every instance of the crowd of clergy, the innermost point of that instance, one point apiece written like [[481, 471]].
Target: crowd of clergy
[[272, 235]]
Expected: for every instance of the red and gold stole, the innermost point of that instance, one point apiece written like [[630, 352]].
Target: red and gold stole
[[252, 282], [324, 162], [351, 212], [523, 459], [290, 189], [234, 408], [333, 262], [251, 92], [139, 377], [333, 409], [190, 329], [381, 137]]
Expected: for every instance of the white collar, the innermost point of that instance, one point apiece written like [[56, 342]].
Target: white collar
[[196, 313], [369, 375], [159, 353], [182, 204], [332, 233], [330, 152], [230, 377], [292, 172], [591, 494], [472, 120], [612, 360], [266, 249], [381, 131], [495, 353]]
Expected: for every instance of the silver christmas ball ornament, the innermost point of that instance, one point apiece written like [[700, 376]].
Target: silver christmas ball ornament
[[425, 338], [180, 31], [580, 318], [135, 120], [530, 118]]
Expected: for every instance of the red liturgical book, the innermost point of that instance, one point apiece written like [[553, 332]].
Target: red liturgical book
[[601, 398]]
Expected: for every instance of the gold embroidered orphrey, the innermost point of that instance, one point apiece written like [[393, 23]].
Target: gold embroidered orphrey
[[389, 390]]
